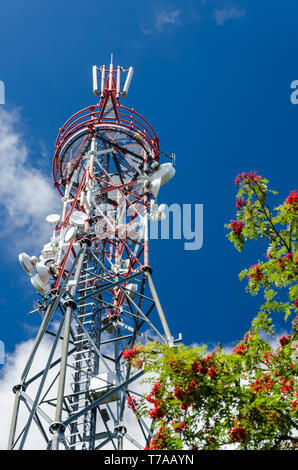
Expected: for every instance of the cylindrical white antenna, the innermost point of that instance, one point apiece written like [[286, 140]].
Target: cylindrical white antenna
[[111, 74], [127, 82], [95, 85], [118, 82], [102, 84]]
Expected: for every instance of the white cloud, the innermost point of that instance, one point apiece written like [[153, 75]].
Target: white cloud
[[26, 194], [221, 15], [163, 18]]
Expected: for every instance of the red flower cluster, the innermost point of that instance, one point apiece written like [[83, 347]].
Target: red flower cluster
[[267, 356], [247, 337], [157, 388], [212, 373], [159, 441], [156, 392], [289, 257], [240, 203], [179, 393], [247, 177], [296, 303], [240, 349], [176, 365], [130, 354], [179, 427], [281, 261], [294, 405], [193, 386], [255, 273], [292, 199], [202, 366], [237, 227], [238, 434], [158, 412], [132, 404], [287, 386], [264, 384], [284, 340], [185, 395]]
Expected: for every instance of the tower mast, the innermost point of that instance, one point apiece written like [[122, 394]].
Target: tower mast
[[98, 295]]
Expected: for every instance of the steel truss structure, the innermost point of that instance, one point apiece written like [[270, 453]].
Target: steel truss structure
[[98, 296]]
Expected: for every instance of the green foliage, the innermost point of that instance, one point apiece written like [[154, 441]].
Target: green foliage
[[246, 398]]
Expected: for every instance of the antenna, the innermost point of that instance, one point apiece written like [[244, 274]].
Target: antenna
[[95, 85], [107, 84], [127, 82]]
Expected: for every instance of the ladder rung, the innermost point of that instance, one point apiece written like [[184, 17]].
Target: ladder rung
[[81, 382], [82, 351], [80, 341], [82, 359]]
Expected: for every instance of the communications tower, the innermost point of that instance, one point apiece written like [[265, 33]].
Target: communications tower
[[97, 296]]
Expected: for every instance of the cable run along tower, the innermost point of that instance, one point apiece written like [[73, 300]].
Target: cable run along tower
[[95, 281]]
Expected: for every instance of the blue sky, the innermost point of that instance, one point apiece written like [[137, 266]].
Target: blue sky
[[212, 77]]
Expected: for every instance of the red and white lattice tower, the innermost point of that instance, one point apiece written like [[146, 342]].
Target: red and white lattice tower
[[94, 277]]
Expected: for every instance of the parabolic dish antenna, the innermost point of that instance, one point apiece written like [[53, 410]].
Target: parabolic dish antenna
[[27, 264], [78, 219], [53, 219], [39, 285], [43, 272], [165, 172], [70, 234]]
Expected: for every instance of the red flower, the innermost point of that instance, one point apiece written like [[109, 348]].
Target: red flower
[[247, 177], [202, 369], [132, 404], [193, 386], [159, 441], [150, 399], [237, 227], [157, 387], [287, 386], [157, 412], [179, 427], [239, 349], [240, 203], [179, 393], [264, 384], [255, 272], [267, 356], [292, 199], [212, 373], [294, 405], [184, 406], [289, 257], [129, 354], [238, 434], [284, 340], [247, 337], [296, 303]]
